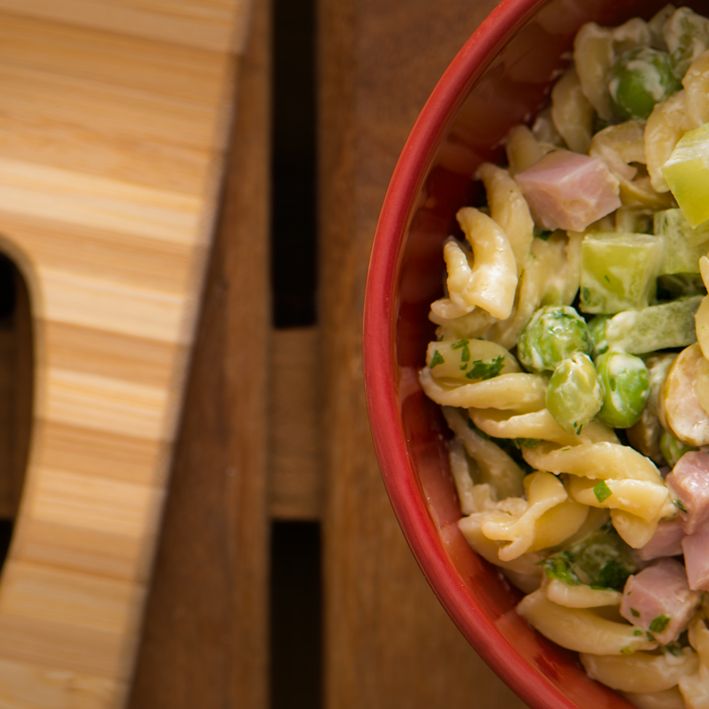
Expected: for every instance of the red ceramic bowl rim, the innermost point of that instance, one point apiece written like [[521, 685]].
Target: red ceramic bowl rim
[[380, 364]]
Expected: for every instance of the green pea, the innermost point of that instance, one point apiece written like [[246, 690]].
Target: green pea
[[639, 79], [597, 330], [626, 386], [574, 394], [686, 35], [672, 448], [554, 333]]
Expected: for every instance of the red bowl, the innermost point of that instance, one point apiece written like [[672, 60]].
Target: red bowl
[[500, 77]]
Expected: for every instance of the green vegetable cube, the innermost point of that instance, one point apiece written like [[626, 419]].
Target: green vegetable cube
[[683, 245], [687, 174], [618, 271], [656, 327]]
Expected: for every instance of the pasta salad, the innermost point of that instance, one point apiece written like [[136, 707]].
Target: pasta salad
[[571, 360]]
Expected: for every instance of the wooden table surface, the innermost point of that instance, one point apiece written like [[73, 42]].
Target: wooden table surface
[[274, 436]]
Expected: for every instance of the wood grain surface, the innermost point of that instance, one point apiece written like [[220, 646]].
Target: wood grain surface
[[274, 424], [112, 134], [389, 642], [205, 641]]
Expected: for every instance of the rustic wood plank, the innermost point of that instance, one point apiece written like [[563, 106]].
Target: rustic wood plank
[[74, 582], [296, 483], [389, 642], [208, 24], [206, 634]]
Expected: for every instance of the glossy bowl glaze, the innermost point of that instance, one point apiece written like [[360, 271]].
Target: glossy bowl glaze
[[500, 77]]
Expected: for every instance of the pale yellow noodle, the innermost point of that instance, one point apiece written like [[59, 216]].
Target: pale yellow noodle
[[580, 629], [509, 209], [641, 671], [572, 112], [664, 127]]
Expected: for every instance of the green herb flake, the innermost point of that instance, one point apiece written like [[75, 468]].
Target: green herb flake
[[542, 233], [526, 442], [627, 650], [613, 574], [659, 623], [602, 491], [486, 369], [558, 566], [679, 504], [436, 359], [464, 347], [600, 560], [637, 632], [635, 612], [674, 649]]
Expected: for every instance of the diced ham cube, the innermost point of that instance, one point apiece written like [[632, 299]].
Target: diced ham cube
[[696, 559], [667, 541], [568, 190], [689, 483], [659, 600]]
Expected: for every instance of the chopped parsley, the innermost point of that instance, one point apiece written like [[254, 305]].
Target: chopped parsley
[[659, 623], [635, 612], [600, 560], [542, 233], [674, 649], [436, 359], [558, 566], [485, 369], [464, 347], [679, 504], [526, 442], [602, 491]]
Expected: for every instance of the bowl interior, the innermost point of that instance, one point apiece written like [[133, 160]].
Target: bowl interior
[[500, 77]]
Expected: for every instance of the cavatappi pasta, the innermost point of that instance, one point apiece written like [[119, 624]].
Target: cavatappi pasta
[[571, 360]]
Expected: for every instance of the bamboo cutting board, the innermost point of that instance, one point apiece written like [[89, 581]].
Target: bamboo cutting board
[[112, 130]]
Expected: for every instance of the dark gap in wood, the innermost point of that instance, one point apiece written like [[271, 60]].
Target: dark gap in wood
[[293, 164], [16, 384], [8, 290], [296, 624]]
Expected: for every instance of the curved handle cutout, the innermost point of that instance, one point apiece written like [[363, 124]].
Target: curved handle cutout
[[16, 388]]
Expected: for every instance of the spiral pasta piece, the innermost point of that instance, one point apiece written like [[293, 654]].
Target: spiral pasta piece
[[523, 149], [640, 671], [598, 461], [581, 595], [581, 629], [538, 426], [544, 493], [494, 466], [663, 129], [642, 498], [572, 112], [518, 392], [509, 209], [696, 86], [488, 278]]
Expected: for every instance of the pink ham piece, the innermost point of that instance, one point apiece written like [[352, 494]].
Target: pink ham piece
[[659, 600], [567, 190], [696, 559], [667, 541], [689, 483]]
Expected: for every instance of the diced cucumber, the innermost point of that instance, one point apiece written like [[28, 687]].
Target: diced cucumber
[[683, 245], [687, 174], [618, 271], [657, 327], [679, 285]]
